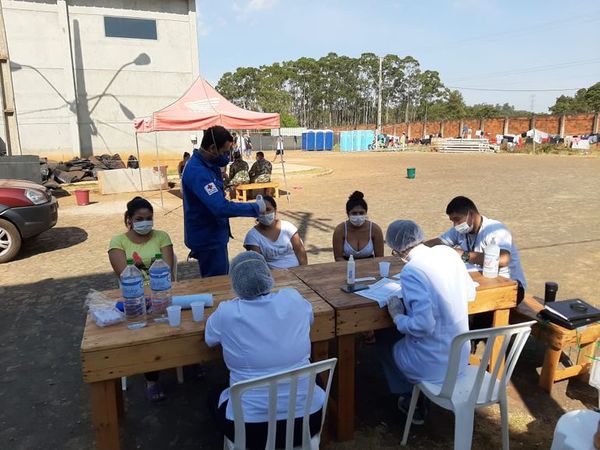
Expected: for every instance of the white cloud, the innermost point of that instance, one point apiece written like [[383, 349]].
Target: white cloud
[[243, 8]]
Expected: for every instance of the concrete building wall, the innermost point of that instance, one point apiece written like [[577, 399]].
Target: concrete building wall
[[77, 90]]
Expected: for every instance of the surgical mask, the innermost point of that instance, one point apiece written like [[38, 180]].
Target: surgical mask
[[464, 228], [222, 160], [358, 220], [267, 219], [143, 227]]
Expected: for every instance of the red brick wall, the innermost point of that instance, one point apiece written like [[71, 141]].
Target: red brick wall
[[451, 128], [549, 124], [518, 125], [582, 124], [494, 126]]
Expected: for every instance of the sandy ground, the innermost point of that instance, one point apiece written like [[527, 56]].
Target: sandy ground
[[551, 204]]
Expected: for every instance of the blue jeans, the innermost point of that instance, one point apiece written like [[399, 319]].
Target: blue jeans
[[212, 262], [396, 380]]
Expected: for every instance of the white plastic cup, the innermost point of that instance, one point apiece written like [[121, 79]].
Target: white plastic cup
[[174, 314], [197, 311], [384, 268]]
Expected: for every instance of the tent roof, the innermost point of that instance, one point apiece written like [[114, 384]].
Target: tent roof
[[202, 107]]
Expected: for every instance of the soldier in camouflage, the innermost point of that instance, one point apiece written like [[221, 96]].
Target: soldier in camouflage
[[261, 169]]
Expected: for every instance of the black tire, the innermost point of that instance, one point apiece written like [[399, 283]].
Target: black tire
[[10, 241]]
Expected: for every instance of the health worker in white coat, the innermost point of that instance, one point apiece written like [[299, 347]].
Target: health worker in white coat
[[436, 289]]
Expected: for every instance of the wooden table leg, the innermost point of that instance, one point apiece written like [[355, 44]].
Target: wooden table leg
[[501, 318], [120, 400], [551, 359], [104, 414], [345, 374]]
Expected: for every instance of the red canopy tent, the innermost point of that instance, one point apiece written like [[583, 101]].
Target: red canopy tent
[[201, 107]]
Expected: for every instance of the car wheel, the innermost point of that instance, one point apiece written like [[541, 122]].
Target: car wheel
[[10, 241]]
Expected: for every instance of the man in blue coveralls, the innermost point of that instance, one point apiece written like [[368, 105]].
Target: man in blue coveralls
[[206, 211]]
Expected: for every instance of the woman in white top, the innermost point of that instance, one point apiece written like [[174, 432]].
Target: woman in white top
[[357, 236], [277, 240], [262, 333]]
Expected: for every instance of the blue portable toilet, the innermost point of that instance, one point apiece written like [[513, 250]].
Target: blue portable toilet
[[304, 137], [310, 140], [357, 141], [328, 140], [345, 141], [319, 140]]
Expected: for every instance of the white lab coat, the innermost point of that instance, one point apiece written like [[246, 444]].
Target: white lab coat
[[436, 288]]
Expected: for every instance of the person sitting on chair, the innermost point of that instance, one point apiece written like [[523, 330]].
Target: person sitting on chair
[[261, 333], [260, 172], [238, 171]]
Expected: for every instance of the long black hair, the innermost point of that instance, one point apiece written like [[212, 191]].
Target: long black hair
[[356, 199], [134, 205]]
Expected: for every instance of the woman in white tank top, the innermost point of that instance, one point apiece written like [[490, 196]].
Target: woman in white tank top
[[357, 236]]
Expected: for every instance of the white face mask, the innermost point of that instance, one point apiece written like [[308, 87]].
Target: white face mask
[[267, 219], [143, 227], [464, 228], [358, 220]]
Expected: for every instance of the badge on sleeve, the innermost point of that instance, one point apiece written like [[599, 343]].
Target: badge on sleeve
[[211, 189]]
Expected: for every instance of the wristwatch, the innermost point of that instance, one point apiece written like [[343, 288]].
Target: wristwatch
[[465, 257]]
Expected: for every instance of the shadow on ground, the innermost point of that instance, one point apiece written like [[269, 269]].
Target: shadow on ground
[[57, 238]]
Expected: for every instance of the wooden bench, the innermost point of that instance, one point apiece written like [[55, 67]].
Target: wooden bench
[[241, 190], [557, 339]]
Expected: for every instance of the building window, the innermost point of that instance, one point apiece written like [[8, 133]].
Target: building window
[[125, 27]]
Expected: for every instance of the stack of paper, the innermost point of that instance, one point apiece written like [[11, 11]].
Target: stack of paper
[[382, 290]]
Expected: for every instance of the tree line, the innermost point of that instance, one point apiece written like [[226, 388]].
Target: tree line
[[343, 91]]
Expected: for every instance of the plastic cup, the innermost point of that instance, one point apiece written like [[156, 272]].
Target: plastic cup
[[197, 311], [174, 314], [384, 268]]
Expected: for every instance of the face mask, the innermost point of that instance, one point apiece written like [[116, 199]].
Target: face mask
[[222, 160], [358, 220], [144, 227], [464, 228], [267, 219]]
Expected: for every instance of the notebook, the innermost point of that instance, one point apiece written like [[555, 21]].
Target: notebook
[[570, 313]]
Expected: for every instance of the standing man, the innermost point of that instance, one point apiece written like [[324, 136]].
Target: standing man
[[194, 140], [260, 172], [436, 288], [279, 150], [205, 209], [472, 233], [248, 142]]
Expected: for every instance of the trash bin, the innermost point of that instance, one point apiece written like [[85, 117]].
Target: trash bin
[[83, 197], [411, 172]]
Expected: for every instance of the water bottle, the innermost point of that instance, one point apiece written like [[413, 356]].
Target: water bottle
[[350, 271], [134, 300], [160, 285], [491, 260]]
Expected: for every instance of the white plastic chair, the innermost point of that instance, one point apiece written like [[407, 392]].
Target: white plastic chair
[[310, 371], [477, 387], [575, 430], [179, 370]]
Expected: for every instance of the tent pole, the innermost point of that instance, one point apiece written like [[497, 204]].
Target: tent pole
[[287, 191], [162, 204], [137, 148]]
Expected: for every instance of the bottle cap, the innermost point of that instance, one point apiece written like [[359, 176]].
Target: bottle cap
[[129, 261]]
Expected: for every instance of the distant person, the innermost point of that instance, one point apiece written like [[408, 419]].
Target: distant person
[[238, 171], [248, 142], [279, 146], [206, 211], [260, 172], [277, 240], [194, 141], [182, 163], [142, 243], [358, 236]]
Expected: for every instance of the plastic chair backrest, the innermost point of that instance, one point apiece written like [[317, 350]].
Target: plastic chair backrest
[[310, 371], [519, 332]]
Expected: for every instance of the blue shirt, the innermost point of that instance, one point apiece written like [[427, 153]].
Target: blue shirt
[[206, 211]]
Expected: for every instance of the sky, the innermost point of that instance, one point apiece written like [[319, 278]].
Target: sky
[[495, 51]]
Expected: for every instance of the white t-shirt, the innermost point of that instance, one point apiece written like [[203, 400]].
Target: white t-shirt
[[489, 229], [279, 254], [260, 337]]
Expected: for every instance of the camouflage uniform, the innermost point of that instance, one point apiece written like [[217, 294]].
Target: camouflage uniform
[[261, 171], [238, 173]]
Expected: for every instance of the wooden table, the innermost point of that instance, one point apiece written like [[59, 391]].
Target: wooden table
[[355, 314], [109, 353]]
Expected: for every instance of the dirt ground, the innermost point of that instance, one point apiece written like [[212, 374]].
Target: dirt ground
[[551, 204]]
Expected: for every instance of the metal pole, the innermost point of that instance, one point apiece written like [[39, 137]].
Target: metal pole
[[137, 148], [533, 119], [379, 99], [287, 191], [162, 204], [11, 127]]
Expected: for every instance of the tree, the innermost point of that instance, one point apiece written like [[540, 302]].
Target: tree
[[584, 101], [592, 96]]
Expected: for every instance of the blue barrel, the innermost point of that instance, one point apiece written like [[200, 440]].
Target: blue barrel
[[329, 140], [310, 140], [320, 140], [304, 137]]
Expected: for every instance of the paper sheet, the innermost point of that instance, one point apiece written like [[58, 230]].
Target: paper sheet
[[358, 280], [381, 291]]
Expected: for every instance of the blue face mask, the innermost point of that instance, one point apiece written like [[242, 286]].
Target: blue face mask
[[222, 160]]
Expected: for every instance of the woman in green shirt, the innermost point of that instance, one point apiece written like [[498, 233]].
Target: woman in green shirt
[[141, 243]]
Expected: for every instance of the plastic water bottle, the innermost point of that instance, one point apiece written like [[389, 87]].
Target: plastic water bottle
[[134, 300], [351, 271], [160, 285], [491, 260]]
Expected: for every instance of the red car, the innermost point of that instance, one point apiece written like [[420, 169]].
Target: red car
[[26, 210]]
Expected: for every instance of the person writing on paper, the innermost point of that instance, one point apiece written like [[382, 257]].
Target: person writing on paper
[[436, 288], [473, 232], [357, 236], [206, 212], [277, 240], [261, 333]]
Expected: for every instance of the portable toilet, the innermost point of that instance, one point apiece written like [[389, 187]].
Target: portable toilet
[[319, 140], [310, 140], [304, 137], [328, 140], [357, 141]]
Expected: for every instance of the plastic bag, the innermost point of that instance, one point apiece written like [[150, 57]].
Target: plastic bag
[[102, 309]]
